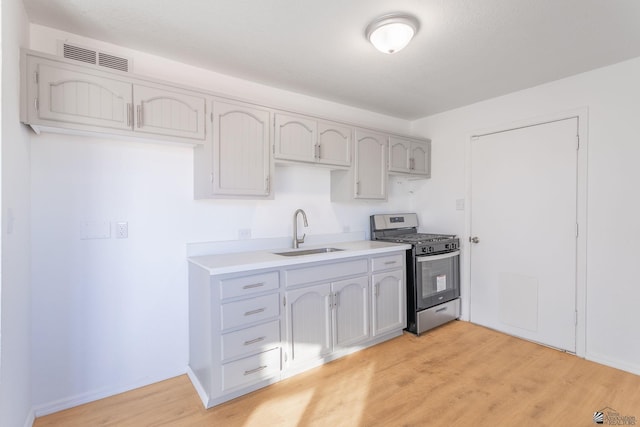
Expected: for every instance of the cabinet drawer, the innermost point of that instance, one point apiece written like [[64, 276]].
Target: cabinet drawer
[[247, 285], [386, 262], [251, 369], [256, 338], [250, 310], [326, 273]]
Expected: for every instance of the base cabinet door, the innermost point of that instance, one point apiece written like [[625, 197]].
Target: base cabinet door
[[351, 312], [309, 323], [389, 308]]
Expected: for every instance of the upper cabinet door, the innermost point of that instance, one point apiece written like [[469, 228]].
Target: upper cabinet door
[[242, 166], [70, 96], [163, 112], [370, 165], [334, 144], [295, 138], [421, 158], [399, 154], [410, 156]]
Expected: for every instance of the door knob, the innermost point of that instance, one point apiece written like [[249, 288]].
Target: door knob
[[474, 240]]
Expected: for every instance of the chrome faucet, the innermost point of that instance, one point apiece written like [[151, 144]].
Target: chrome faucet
[[297, 241]]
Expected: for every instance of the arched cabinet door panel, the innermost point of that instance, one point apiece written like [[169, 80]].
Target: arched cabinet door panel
[[66, 95], [241, 161], [169, 113]]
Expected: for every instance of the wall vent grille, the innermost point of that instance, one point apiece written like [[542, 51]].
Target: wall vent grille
[[93, 56]]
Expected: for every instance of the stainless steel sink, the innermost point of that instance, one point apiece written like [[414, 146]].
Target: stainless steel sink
[[309, 251]]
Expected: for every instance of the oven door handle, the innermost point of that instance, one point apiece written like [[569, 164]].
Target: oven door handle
[[427, 258]]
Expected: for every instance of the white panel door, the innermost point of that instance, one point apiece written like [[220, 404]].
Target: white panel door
[[70, 96], [169, 113], [389, 302], [309, 323], [523, 216], [242, 165], [351, 312]]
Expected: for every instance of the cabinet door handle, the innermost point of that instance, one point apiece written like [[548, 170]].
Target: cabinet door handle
[[389, 262], [319, 155], [129, 114], [139, 114], [376, 288], [253, 371], [357, 188], [256, 311], [336, 299], [253, 285], [267, 184], [412, 164], [255, 340]]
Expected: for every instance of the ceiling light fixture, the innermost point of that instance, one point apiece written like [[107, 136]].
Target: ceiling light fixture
[[391, 33]]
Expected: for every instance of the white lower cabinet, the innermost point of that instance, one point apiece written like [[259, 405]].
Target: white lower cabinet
[[326, 317], [389, 303], [250, 329]]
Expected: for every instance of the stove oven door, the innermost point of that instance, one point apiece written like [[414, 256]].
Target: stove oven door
[[437, 279]]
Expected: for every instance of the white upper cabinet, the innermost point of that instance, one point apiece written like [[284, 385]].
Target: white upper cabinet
[[370, 168], [306, 139], [67, 95], [295, 138], [334, 144], [163, 112], [240, 155], [409, 156], [64, 95]]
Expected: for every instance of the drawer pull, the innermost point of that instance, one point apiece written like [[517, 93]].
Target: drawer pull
[[254, 285], [390, 262], [441, 309], [253, 341], [256, 311], [253, 371]]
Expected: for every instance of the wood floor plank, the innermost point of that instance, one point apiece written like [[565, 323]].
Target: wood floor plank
[[456, 375]]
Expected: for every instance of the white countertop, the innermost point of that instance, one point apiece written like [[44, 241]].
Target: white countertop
[[244, 261]]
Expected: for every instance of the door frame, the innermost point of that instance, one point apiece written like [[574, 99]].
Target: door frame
[[582, 115]]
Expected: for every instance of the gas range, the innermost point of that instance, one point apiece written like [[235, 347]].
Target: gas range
[[403, 228], [432, 270]]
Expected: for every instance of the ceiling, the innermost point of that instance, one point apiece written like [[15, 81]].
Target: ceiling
[[465, 50]]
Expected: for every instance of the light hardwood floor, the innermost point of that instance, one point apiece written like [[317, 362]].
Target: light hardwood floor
[[456, 375]]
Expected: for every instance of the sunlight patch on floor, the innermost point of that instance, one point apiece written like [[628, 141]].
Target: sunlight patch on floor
[[271, 411]]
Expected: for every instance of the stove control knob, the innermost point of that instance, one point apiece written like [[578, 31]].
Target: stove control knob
[[430, 248], [446, 246], [424, 249]]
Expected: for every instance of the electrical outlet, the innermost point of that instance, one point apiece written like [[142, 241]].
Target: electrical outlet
[[122, 230], [244, 233]]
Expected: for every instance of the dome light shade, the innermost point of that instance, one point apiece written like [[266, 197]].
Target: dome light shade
[[391, 33]]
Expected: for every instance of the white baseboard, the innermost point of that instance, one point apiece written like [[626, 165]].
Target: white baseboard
[[31, 418], [623, 366], [80, 399]]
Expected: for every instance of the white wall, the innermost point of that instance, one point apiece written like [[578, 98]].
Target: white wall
[[15, 293], [111, 314], [612, 96]]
